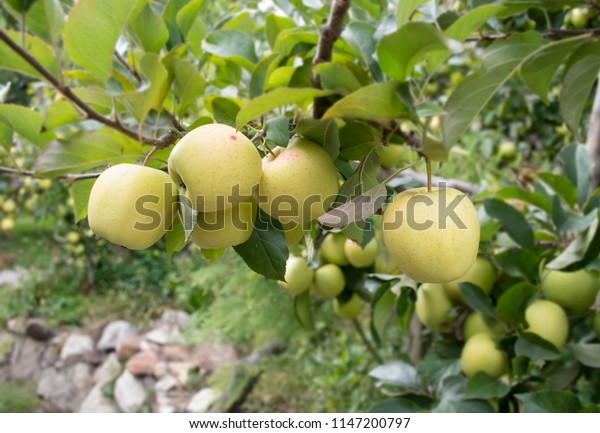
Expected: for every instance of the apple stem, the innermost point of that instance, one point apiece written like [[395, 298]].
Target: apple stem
[[428, 164], [264, 143], [149, 154]]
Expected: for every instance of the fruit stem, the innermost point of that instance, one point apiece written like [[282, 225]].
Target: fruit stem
[[266, 146], [365, 340], [149, 154], [428, 164]]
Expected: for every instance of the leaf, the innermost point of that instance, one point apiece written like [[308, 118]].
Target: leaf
[[477, 299], [587, 354], [561, 186], [400, 405], [20, 6], [188, 83], [512, 220], [512, 303], [361, 36], [303, 311], [485, 387], [518, 262], [500, 61], [191, 26], [274, 99], [61, 112], [397, 373], [583, 250], [150, 29], [25, 122], [549, 401], [232, 45], [376, 101], [416, 39], [80, 193], [274, 24], [515, 192], [259, 75], [46, 18], [212, 254], [224, 110], [535, 348], [91, 32], [175, 237], [358, 209], [34, 46], [278, 131], [266, 251], [357, 139], [382, 305], [453, 400], [405, 9], [434, 150], [335, 76], [323, 132]]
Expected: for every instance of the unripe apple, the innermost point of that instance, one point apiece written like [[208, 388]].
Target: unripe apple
[[45, 183], [596, 323], [358, 256], [549, 321], [456, 78], [299, 184], [73, 237], [481, 274], [132, 205], [480, 353], [432, 236], [579, 18], [432, 307], [293, 233], [348, 310], [215, 167], [298, 276], [392, 154], [7, 224], [476, 324], [229, 227], [9, 206], [575, 291], [508, 151], [332, 249], [329, 280]]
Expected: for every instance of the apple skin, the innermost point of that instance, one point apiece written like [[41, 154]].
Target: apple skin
[[298, 276], [112, 212], [73, 237], [392, 155], [480, 353], [358, 256], [427, 246], [350, 310], [7, 224], [9, 206], [215, 167], [579, 18], [475, 324], [432, 307], [548, 320], [329, 281], [596, 323], [508, 151], [293, 233], [225, 228], [481, 274], [300, 184], [575, 291], [332, 249]]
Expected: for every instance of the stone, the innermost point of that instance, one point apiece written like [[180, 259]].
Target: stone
[[165, 403], [129, 346], [130, 393], [211, 356], [78, 347], [16, 325], [164, 334], [179, 318], [175, 353], [113, 335], [96, 329], [6, 344], [142, 363], [180, 370], [109, 370], [11, 277], [97, 402], [167, 383], [161, 369], [39, 330], [65, 388], [25, 359], [203, 400]]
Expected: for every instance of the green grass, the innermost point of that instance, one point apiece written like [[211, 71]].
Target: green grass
[[15, 398]]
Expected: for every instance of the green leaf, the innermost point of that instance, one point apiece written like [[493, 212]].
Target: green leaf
[[500, 61], [361, 36], [188, 83], [175, 237], [535, 348], [335, 76], [518, 262], [61, 112], [400, 405], [232, 45], [583, 250], [274, 99], [549, 402], [561, 186], [224, 110], [587, 354], [534, 198], [512, 303], [288, 39], [434, 150], [416, 39], [25, 122], [357, 139], [278, 131], [97, 24], [405, 9], [150, 29], [397, 373], [364, 178], [34, 46], [303, 310], [212, 254], [266, 251], [274, 24], [20, 6], [358, 209], [485, 387], [324, 132], [453, 398], [382, 305], [259, 75], [512, 220], [85, 150], [377, 101], [191, 26], [477, 299], [80, 193]]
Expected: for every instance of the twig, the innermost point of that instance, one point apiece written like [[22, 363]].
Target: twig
[[329, 33], [415, 344], [149, 155], [129, 67], [169, 138], [593, 139], [365, 340], [66, 177]]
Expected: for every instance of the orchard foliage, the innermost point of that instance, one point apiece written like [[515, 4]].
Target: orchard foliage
[[121, 81]]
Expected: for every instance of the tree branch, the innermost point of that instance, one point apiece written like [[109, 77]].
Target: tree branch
[[329, 33], [129, 67], [554, 33], [66, 177], [421, 179], [593, 139], [161, 142]]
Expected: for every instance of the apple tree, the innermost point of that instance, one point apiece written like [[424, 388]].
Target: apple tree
[[343, 107]]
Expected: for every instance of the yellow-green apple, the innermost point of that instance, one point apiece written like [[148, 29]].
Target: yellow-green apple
[[358, 256], [432, 236], [299, 183], [298, 276], [7, 224], [9, 206], [228, 227], [508, 151], [476, 324], [549, 321], [329, 280], [596, 323], [348, 310], [481, 274], [293, 233], [481, 353], [432, 307], [332, 249], [215, 167], [575, 291], [392, 154], [132, 205], [73, 237]]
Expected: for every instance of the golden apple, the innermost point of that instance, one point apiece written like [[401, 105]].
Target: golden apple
[[358, 256], [329, 280], [332, 249], [432, 307], [481, 274], [480, 353], [215, 167], [432, 236], [476, 324], [7, 224], [132, 205], [229, 227], [293, 233], [73, 237], [549, 321], [348, 310], [392, 155], [298, 276], [575, 291], [9, 206]]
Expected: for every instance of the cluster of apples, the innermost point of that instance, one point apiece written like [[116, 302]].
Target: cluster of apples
[[26, 198], [218, 172]]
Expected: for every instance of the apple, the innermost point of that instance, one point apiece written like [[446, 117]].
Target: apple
[[358, 256], [579, 18], [215, 167], [456, 78], [332, 249], [432, 307], [73, 237], [45, 183], [432, 236], [9, 206], [7, 224], [392, 154], [298, 276], [596, 323], [481, 274], [548, 320], [228, 227], [329, 280], [575, 291], [299, 184], [132, 205], [508, 151], [293, 233], [480, 353], [476, 324], [348, 310]]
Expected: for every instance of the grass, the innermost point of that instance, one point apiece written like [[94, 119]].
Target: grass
[[16, 398]]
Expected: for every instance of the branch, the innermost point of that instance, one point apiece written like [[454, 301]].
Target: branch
[[593, 139], [421, 178], [329, 33], [129, 67], [66, 177], [161, 142], [554, 33]]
